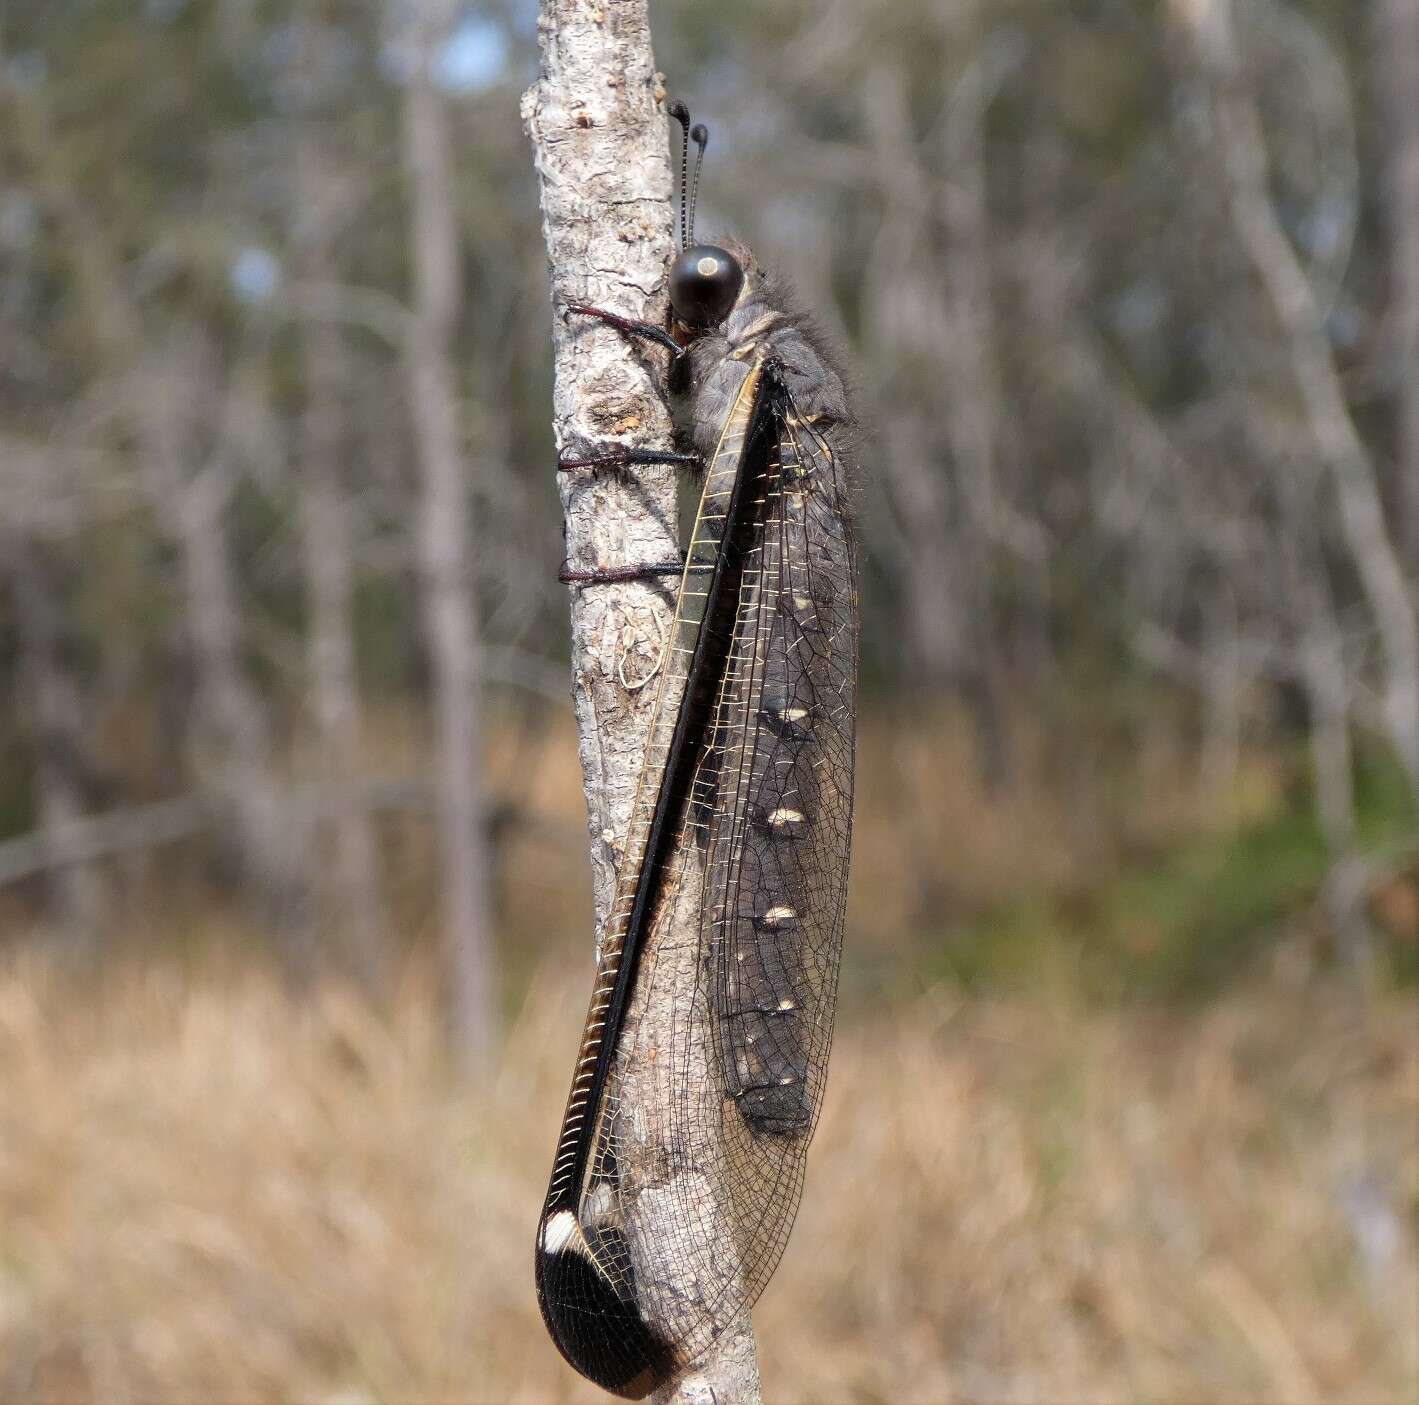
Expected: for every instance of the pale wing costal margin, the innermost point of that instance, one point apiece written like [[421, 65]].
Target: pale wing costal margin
[[764, 851], [590, 1237]]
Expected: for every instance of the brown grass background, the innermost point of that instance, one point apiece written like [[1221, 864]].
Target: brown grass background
[[214, 1187], [212, 1192]]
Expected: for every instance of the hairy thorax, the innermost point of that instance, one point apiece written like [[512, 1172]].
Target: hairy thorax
[[764, 324]]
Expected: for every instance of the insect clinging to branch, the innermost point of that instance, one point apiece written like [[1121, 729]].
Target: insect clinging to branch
[[747, 787]]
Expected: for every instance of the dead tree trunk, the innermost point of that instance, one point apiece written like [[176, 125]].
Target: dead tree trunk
[[354, 881], [1242, 152], [970, 344], [445, 558], [597, 121], [232, 741], [941, 472], [56, 725], [1396, 45], [1222, 684], [1322, 673]]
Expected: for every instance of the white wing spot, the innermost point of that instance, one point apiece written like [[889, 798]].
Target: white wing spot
[[559, 1232]]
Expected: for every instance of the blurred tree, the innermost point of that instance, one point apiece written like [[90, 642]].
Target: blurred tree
[[1135, 343], [1396, 49], [321, 201], [443, 535]]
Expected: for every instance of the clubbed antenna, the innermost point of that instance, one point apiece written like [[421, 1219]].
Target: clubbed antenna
[[699, 134], [681, 114]]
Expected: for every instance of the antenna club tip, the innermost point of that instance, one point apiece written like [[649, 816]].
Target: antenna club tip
[[699, 134], [680, 112]]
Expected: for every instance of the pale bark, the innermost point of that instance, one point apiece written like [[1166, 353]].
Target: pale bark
[[1241, 149], [445, 553], [597, 121], [353, 881], [1396, 45]]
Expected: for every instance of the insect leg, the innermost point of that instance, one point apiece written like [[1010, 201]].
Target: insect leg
[[646, 331], [619, 456], [609, 575]]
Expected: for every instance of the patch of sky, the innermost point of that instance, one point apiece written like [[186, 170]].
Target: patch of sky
[[27, 69], [1138, 309], [162, 11], [475, 56], [1344, 323], [19, 220], [255, 273], [522, 15], [277, 48], [1325, 229]]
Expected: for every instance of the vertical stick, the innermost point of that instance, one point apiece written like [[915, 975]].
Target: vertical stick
[[1396, 46], [354, 880], [597, 122], [445, 560], [1241, 150]]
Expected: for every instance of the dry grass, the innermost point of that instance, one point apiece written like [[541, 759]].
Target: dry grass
[[212, 1192]]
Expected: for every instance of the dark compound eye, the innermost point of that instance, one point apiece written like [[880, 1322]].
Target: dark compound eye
[[704, 283]]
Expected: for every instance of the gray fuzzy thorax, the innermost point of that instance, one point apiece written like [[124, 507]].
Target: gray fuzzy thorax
[[764, 324]]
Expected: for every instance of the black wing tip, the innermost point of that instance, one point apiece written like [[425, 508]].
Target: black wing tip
[[600, 1333]]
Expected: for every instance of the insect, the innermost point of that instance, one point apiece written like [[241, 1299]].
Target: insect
[[739, 833]]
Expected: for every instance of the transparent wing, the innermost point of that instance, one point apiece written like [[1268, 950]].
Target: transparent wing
[[740, 1064], [780, 847]]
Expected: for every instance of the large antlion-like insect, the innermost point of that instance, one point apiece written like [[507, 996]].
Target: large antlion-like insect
[[744, 804]]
